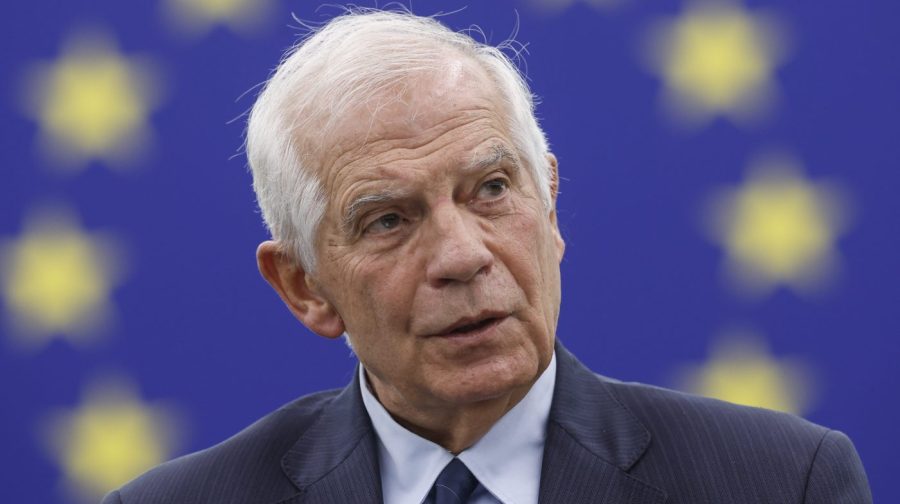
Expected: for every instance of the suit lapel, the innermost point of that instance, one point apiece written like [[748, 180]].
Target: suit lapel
[[592, 442], [336, 459]]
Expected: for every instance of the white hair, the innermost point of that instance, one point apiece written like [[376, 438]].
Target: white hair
[[353, 59]]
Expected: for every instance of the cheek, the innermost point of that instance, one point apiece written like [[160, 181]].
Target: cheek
[[377, 299], [535, 268], [522, 239]]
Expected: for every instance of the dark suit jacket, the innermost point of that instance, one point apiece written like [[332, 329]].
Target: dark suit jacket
[[607, 442]]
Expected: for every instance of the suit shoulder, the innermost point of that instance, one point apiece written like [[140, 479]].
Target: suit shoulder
[[710, 442], [706, 450], [662, 410], [248, 463]]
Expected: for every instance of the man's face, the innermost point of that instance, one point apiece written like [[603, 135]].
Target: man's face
[[436, 250]]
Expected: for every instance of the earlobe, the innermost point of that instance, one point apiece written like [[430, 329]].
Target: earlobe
[[298, 290], [554, 192], [560, 245], [554, 177]]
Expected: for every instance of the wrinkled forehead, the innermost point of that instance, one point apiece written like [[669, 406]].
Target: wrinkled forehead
[[420, 105]]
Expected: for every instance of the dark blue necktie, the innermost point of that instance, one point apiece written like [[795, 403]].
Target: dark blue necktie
[[454, 485]]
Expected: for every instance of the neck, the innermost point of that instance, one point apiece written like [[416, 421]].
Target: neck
[[454, 427]]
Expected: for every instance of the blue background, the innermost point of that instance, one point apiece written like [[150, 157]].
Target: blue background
[[198, 327]]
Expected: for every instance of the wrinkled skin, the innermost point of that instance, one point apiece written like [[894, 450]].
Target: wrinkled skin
[[453, 232]]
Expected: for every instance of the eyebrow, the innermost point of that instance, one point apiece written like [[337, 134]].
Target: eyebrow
[[359, 204], [498, 153]]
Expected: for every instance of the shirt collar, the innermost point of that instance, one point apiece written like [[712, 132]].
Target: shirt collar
[[506, 460]]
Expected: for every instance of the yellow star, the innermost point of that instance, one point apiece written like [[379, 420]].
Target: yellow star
[[110, 438], [199, 16], [57, 279], [741, 370], [716, 59], [778, 228], [91, 104]]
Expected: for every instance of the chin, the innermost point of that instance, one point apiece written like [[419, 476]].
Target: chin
[[488, 380]]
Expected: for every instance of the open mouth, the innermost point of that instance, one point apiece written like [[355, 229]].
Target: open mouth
[[468, 329], [474, 327]]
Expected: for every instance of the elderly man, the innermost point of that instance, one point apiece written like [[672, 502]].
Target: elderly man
[[411, 199]]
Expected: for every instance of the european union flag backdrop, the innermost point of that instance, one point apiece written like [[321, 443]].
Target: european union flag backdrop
[[729, 201]]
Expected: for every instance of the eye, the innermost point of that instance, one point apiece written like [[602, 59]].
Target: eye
[[383, 224], [493, 188]]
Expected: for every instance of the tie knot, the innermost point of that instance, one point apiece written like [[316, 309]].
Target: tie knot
[[454, 485]]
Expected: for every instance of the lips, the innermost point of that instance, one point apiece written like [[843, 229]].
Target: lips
[[471, 325]]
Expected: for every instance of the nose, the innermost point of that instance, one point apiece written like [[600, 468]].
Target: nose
[[458, 251]]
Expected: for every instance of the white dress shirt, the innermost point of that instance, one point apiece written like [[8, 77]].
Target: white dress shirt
[[506, 461]]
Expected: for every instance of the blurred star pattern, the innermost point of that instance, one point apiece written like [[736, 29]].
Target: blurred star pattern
[[109, 438], [741, 369], [728, 169], [92, 102], [57, 279], [199, 16], [716, 58], [778, 228]]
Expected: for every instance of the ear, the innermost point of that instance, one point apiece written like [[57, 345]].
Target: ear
[[298, 290], [554, 192]]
